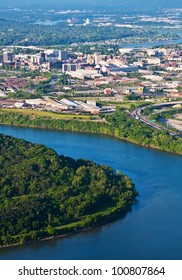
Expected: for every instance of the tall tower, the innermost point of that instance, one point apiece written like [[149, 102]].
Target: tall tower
[[7, 57], [63, 55], [43, 57]]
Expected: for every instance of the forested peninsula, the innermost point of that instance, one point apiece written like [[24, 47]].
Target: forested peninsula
[[119, 125], [44, 195]]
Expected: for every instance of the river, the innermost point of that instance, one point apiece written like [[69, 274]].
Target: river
[[152, 230]]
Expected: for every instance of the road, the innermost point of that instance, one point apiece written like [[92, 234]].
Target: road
[[136, 114]]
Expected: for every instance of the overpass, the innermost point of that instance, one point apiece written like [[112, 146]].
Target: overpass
[[137, 115]]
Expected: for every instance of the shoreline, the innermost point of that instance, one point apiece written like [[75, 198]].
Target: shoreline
[[94, 132], [59, 236], [50, 237], [35, 241]]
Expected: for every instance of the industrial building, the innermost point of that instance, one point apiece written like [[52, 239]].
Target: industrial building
[[83, 74]]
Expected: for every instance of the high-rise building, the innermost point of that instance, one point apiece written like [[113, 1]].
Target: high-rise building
[[7, 57], [73, 67], [98, 58], [90, 59], [69, 67], [1, 58], [63, 55], [43, 57], [65, 68], [36, 59]]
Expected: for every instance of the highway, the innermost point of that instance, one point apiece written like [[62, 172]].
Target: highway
[[136, 114]]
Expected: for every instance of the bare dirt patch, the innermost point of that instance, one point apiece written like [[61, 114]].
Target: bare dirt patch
[[174, 124], [178, 116]]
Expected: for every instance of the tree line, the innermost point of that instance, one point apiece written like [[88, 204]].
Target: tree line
[[119, 125]]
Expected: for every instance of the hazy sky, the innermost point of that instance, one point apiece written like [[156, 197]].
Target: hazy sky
[[72, 4]]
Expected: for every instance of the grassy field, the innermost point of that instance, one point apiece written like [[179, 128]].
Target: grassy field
[[83, 218], [51, 115]]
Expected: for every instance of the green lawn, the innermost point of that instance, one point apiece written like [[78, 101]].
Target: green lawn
[[51, 114]]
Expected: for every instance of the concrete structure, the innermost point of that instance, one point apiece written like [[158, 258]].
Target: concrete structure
[[87, 107], [7, 57], [153, 78], [69, 67], [112, 68], [85, 74], [90, 59], [150, 52], [36, 59], [53, 103], [87, 21], [154, 60], [35, 102], [43, 57], [19, 104], [63, 55], [1, 58], [125, 50], [107, 91], [71, 104], [98, 58]]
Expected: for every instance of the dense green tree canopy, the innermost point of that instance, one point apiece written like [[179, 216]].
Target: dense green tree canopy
[[43, 194]]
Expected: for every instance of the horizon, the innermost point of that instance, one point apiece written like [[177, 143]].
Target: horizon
[[81, 4]]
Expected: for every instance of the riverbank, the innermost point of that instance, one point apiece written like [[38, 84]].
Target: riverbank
[[97, 225], [40, 240], [110, 220], [119, 125]]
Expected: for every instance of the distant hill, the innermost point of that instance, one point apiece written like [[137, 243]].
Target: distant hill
[[43, 194], [101, 4]]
